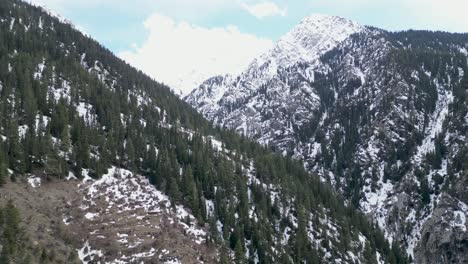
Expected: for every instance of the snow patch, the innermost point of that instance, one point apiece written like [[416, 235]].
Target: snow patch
[[34, 181], [87, 255], [91, 216], [459, 220], [70, 176]]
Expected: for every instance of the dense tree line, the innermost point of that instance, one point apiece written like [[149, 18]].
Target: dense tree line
[[62, 116]]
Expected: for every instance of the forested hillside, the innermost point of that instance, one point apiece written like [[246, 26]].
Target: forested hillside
[[90, 147]]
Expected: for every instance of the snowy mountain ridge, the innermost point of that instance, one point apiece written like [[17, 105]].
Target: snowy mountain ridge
[[311, 38], [305, 43]]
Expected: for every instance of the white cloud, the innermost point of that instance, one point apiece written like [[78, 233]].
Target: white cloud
[[448, 15], [182, 55], [188, 9], [264, 9]]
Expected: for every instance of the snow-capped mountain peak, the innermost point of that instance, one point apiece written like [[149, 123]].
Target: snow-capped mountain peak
[[311, 38], [305, 43]]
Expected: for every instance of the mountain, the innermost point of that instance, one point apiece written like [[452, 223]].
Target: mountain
[[381, 116], [99, 163], [310, 39]]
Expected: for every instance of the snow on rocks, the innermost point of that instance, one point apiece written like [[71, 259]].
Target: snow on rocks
[[63, 91], [22, 131], [460, 216], [86, 111], [173, 261], [39, 70], [464, 51], [86, 177], [34, 181], [66, 220], [445, 98], [70, 176], [375, 203], [87, 255], [217, 145], [459, 220], [90, 216]]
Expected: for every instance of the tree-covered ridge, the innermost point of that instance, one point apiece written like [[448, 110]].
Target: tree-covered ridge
[[68, 104]]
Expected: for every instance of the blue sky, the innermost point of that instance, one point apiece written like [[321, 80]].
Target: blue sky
[[132, 29]]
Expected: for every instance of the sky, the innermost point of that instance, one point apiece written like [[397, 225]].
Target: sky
[[183, 42]]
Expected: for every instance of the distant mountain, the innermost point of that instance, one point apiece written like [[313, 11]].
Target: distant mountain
[[101, 164], [306, 42], [381, 116]]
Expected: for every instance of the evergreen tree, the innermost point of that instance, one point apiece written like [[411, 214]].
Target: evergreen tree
[[301, 241], [3, 168], [369, 254], [224, 256], [424, 191], [174, 191], [239, 252], [11, 232]]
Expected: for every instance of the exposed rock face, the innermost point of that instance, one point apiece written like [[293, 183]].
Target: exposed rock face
[[443, 236], [379, 115]]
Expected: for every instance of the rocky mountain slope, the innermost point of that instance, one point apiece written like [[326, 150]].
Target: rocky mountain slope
[[381, 116], [105, 165]]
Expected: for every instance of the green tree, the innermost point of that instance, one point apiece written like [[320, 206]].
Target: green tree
[[239, 252], [369, 254], [425, 192], [3, 168], [11, 231]]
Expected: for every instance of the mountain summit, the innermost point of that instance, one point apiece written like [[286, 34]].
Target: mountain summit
[[311, 38], [305, 43]]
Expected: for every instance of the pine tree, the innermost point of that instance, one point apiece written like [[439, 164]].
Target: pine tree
[[3, 168], [369, 254], [11, 230], [285, 258], [15, 151], [131, 157], [239, 252], [301, 241], [224, 256], [174, 191], [424, 191], [191, 191], [59, 120], [163, 172]]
